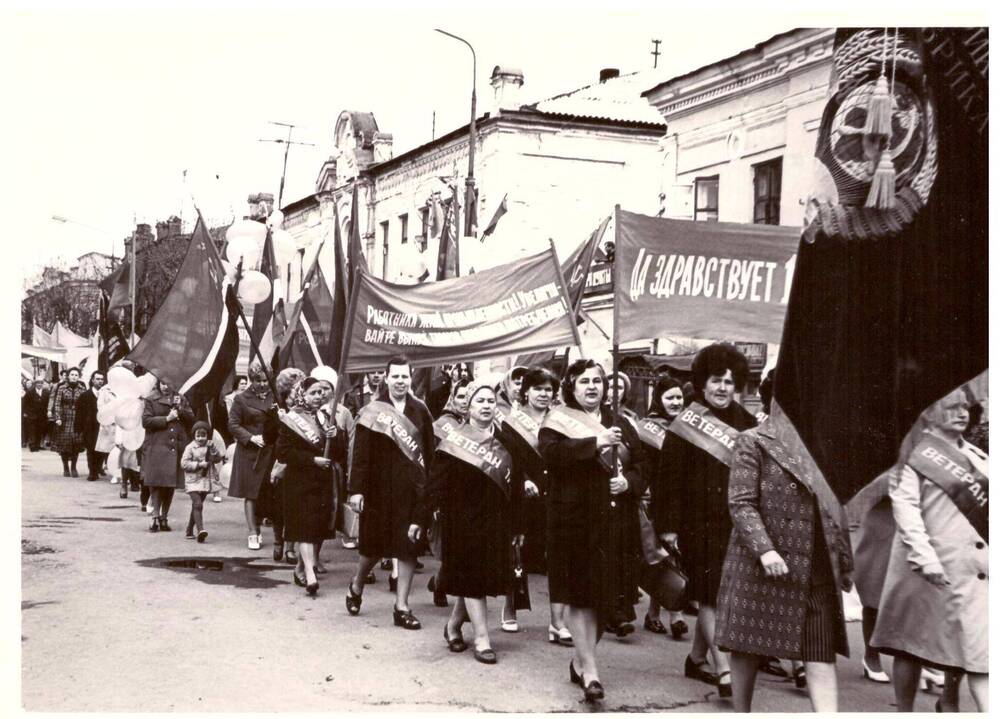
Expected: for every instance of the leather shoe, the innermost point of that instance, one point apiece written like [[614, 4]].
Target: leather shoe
[[404, 618], [678, 629], [695, 671], [457, 644], [725, 690], [393, 581], [299, 581], [573, 676], [877, 677], [593, 692], [486, 656], [653, 625], [353, 601]]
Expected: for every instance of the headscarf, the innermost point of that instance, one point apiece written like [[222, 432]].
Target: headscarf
[[450, 404], [297, 396], [507, 390], [286, 380], [476, 386]]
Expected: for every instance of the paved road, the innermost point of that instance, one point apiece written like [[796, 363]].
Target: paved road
[[107, 626]]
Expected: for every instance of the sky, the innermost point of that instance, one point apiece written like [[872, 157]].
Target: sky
[[129, 112]]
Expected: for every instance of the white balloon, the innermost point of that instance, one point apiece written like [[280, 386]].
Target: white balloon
[[284, 244], [275, 218], [245, 248], [132, 439], [326, 373], [247, 229], [147, 385], [218, 443], [106, 414], [129, 415], [254, 287], [224, 473], [123, 383]]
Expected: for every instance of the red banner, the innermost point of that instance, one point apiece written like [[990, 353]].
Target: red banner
[[514, 308], [711, 280]]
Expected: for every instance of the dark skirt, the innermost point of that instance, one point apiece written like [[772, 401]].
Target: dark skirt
[[533, 525], [384, 523], [571, 551], [819, 631], [307, 506], [702, 560]]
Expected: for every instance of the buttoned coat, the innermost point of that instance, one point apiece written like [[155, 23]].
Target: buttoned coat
[[251, 464], [165, 441], [772, 508], [66, 437]]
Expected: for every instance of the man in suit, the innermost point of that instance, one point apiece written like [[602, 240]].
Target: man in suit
[[35, 404], [86, 416]]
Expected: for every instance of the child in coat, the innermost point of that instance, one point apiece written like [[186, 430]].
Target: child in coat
[[201, 476]]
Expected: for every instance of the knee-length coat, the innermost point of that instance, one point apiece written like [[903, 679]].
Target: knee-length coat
[[163, 447], [478, 522], [592, 536], [946, 627], [307, 489], [689, 498], [66, 437], [772, 508], [391, 485], [251, 464]]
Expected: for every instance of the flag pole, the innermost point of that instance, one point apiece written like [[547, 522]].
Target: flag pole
[[565, 293], [614, 343], [341, 389]]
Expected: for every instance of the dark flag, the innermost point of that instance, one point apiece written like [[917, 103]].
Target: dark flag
[[355, 255], [307, 341], [192, 341], [501, 211], [889, 305], [447, 264], [472, 221], [115, 286], [262, 328], [112, 345]]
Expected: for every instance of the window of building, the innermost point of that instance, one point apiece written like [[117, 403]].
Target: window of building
[[706, 199], [767, 192], [425, 230], [404, 228], [385, 248]]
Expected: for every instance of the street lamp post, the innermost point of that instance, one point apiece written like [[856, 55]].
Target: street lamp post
[[470, 179]]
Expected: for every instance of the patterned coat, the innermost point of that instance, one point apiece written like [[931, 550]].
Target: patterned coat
[[66, 437], [772, 507]]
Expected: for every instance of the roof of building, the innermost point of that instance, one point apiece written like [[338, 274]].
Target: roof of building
[[618, 99]]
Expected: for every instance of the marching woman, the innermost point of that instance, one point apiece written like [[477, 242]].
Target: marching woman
[[284, 382], [519, 432], [935, 606], [165, 417], [67, 438], [585, 562], [508, 392], [668, 401], [689, 507], [472, 486], [787, 562], [254, 457], [308, 474]]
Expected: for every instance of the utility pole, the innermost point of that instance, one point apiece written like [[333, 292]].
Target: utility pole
[[288, 143], [656, 52], [470, 181]]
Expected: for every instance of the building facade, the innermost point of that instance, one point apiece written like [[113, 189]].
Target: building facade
[[70, 295]]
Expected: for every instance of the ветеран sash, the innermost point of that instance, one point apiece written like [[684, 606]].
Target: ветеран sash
[[443, 425], [304, 426], [706, 432], [382, 417], [479, 449], [651, 430], [946, 466], [576, 424]]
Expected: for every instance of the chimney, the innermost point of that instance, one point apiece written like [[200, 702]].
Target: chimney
[[609, 73], [506, 83], [382, 146], [162, 230]]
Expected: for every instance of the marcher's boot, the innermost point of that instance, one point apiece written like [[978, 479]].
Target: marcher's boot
[[72, 466], [65, 461]]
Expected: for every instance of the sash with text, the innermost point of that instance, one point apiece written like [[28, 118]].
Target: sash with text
[[944, 465], [706, 432], [382, 417], [480, 450]]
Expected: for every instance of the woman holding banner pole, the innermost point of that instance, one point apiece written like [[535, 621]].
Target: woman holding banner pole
[[690, 509], [585, 486], [934, 603], [472, 485]]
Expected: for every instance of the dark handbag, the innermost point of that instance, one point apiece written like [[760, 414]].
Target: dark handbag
[[519, 584], [664, 581]]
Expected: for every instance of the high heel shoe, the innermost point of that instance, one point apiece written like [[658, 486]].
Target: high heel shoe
[[155, 525], [695, 671], [800, 677], [457, 644], [573, 676], [299, 581], [353, 600], [404, 618], [311, 589], [725, 690], [678, 629], [930, 678], [393, 582], [593, 692], [872, 676], [278, 552]]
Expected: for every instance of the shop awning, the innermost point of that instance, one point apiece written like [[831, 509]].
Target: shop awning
[[53, 354]]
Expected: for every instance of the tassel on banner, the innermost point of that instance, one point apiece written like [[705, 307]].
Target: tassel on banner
[[882, 194], [879, 109]]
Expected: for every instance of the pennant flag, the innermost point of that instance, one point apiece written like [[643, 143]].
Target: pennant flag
[[308, 339], [355, 255], [111, 342], [65, 337], [521, 306], [447, 264], [341, 291], [472, 221], [262, 328], [192, 340], [889, 306], [500, 212], [41, 338], [116, 285]]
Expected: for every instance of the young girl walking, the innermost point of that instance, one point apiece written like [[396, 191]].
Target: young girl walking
[[201, 477]]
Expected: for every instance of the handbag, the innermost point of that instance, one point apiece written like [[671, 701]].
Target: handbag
[[664, 581], [519, 589], [350, 521], [278, 472]]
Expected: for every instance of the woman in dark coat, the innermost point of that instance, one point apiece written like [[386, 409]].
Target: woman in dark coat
[[786, 563], [166, 418], [477, 516], [66, 437], [308, 475], [585, 488], [254, 457], [689, 493]]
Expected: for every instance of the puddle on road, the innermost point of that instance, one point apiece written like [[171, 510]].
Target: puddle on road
[[29, 547], [117, 506], [240, 572], [26, 604]]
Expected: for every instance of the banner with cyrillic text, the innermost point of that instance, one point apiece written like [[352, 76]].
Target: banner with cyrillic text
[[712, 280], [511, 309]]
